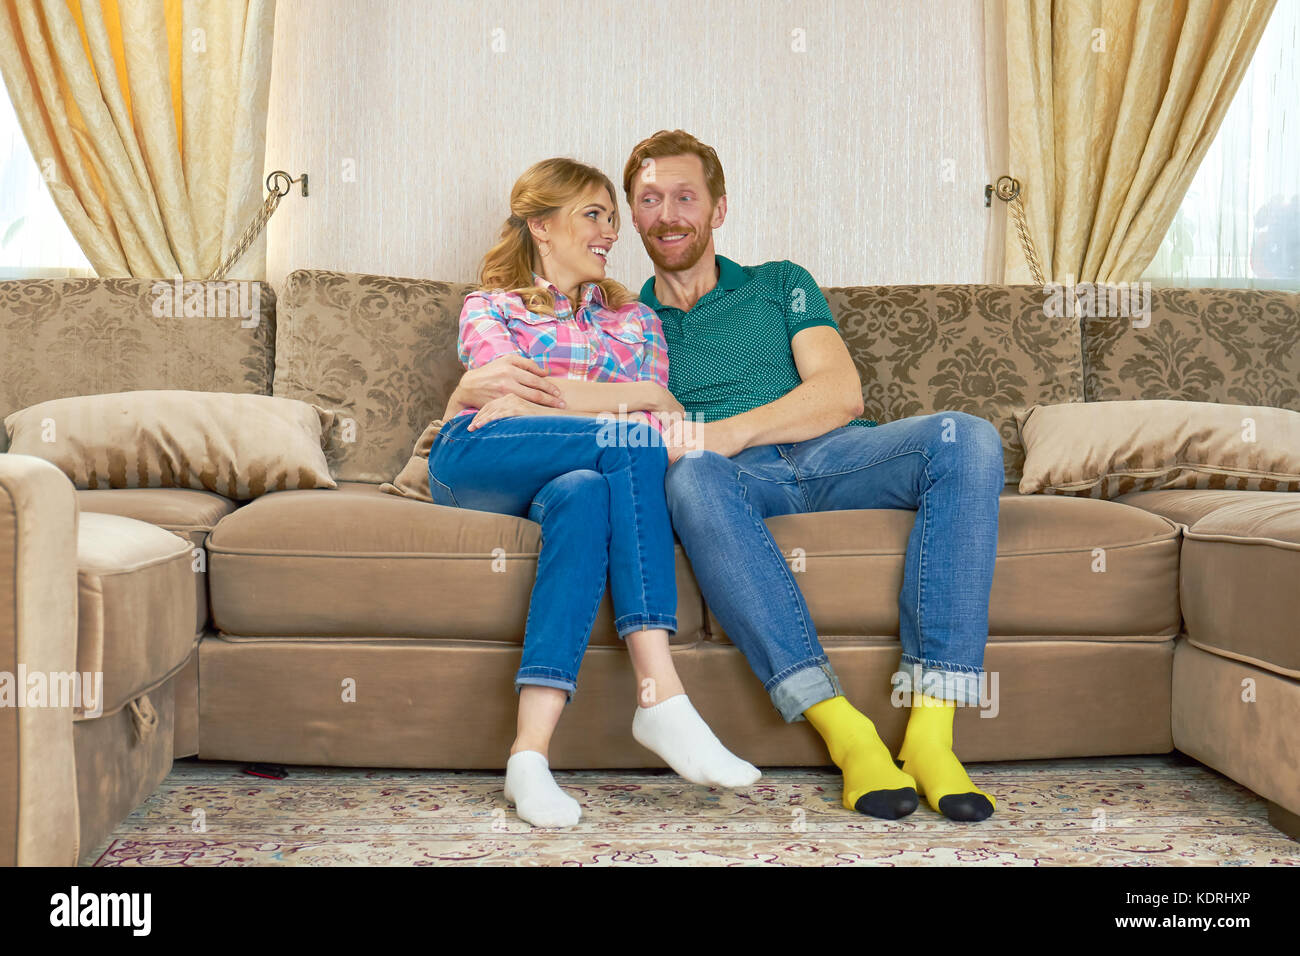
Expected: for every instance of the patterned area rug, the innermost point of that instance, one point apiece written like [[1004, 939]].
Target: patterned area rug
[[1111, 811]]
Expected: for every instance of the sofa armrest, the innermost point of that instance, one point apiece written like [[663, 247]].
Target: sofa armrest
[[38, 635]]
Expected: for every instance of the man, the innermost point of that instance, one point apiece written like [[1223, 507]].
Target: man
[[756, 359]]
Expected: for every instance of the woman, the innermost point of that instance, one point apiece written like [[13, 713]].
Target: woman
[[596, 489]]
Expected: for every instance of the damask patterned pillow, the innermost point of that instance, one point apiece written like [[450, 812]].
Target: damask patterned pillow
[[989, 350]]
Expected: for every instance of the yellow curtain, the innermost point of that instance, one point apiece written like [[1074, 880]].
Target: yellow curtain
[[148, 121], [1111, 107]]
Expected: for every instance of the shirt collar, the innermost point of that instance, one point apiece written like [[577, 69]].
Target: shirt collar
[[588, 292], [730, 276]]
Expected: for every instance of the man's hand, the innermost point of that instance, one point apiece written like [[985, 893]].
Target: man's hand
[[686, 436], [507, 375], [507, 406]]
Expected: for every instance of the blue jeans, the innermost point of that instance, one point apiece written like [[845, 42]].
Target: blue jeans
[[946, 466], [601, 506]]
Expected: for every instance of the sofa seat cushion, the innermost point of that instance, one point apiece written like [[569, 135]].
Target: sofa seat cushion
[[135, 606], [1048, 580], [1240, 570], [1186, 506], [356, 562], [188, 512]]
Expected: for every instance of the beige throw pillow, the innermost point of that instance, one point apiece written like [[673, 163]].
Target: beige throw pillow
[[1107, 449], [234, 444], [413, 480]]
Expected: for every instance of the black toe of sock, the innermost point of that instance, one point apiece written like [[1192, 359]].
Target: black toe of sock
[[966, 807], [887, 804]]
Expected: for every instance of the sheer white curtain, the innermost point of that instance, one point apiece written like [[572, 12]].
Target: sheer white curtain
[[1239, 224], [34, 240]]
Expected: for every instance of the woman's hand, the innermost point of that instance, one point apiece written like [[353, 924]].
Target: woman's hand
[[507, 406], [664, 401], [506, 375]]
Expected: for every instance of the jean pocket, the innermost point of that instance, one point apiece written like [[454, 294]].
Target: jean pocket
[[440, 493]]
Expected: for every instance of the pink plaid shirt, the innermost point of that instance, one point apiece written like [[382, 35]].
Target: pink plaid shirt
[[598, 344]]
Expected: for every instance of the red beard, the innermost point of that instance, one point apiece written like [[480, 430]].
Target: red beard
[[682, 256]]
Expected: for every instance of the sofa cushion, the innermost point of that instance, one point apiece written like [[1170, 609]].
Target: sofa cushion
[[982, 349], [61, 337], [234, 444], [1106, 449], [1048, 580], [1236, 346], [135, 605], [1240, 569], [183, 511], [1185, 506], [356, 562], [378, 350], [1240, 562]]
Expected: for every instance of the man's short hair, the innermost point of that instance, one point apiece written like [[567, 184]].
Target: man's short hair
[[675, 142]]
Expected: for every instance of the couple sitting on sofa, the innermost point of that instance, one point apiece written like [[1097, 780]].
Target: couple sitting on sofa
[[753, 358]]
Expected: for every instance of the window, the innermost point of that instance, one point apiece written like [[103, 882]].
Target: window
[[1239, 224], [34, 239]]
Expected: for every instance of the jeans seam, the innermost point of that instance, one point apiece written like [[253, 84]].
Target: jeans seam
[[941, 665], [878, 461], [526, 679], [766, 535], [541, 670], [625, 457], [445, 487], [591, 620], [649, 622], [920, 561], [819, 662], [798, 479]]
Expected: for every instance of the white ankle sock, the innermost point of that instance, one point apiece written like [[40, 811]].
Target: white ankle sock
[[537, 798], [676, 732]]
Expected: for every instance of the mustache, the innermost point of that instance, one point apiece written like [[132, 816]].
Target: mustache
[[686, 230]]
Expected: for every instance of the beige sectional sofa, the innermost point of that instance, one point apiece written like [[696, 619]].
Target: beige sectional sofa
[[355, 627]]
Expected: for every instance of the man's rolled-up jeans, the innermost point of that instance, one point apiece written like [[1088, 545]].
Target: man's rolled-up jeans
[[946, 466]]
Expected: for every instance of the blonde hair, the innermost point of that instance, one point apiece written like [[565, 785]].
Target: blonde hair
[[544, 188]]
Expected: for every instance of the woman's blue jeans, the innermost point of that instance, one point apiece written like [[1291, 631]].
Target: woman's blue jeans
[[947, 466], [598, 493]]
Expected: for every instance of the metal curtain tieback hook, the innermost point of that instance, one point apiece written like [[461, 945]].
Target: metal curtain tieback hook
[[279, 175]]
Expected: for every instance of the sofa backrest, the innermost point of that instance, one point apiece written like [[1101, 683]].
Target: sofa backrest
[[65, 337], [983, 349], [1233, 346], [380, 351]]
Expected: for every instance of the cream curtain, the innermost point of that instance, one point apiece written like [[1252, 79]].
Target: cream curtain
[[148, 121], [1111, 106]]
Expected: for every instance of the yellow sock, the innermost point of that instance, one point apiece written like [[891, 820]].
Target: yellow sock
[[927, 755], [873, 784]]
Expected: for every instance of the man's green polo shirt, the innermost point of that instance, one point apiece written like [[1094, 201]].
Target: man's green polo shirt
[[731, 352]]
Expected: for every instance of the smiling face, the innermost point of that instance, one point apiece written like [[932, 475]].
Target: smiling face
[[673, 211], [580, 237]]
